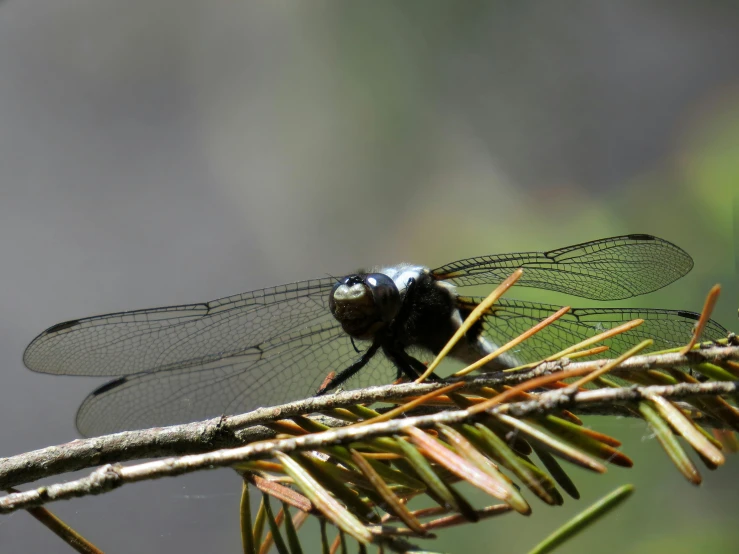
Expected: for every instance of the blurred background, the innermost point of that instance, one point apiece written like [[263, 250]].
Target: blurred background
[[158, 152]]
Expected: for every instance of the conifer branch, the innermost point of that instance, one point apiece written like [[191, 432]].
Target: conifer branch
[[111, 476], [234, 431]]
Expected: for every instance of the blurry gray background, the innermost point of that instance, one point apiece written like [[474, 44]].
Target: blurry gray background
[[159, 152]]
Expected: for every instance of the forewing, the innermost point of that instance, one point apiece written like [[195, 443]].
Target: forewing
[[173, 337], [606, 269], [509, 318]]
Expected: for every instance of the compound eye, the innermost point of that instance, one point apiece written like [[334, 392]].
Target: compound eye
[[385, 295]]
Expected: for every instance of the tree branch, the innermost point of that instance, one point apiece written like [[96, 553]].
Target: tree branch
[[230, 432], [109, 476]]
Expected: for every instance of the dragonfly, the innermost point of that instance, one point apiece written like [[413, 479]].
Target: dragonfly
[[190, 362]]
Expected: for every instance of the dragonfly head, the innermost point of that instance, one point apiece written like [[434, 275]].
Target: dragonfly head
[[364, 303]]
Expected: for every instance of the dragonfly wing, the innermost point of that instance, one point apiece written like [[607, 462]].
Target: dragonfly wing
[[286, 369], [184, 363], [507, 319], [126, 343], [606, 269]]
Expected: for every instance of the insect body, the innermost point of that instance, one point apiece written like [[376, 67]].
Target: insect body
[[183, 363]]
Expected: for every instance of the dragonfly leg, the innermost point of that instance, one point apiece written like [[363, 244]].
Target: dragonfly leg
[[406, 364], [350, 371]]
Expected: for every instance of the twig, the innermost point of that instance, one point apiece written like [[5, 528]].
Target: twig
[[229, 432], [109, 477]]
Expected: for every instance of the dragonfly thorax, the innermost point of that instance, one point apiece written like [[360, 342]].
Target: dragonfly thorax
[[364, 303]]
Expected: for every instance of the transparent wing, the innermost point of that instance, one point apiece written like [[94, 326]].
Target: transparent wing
[[606, 269], [181, 336], [184, 363], [509, 318], [281, 370]]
